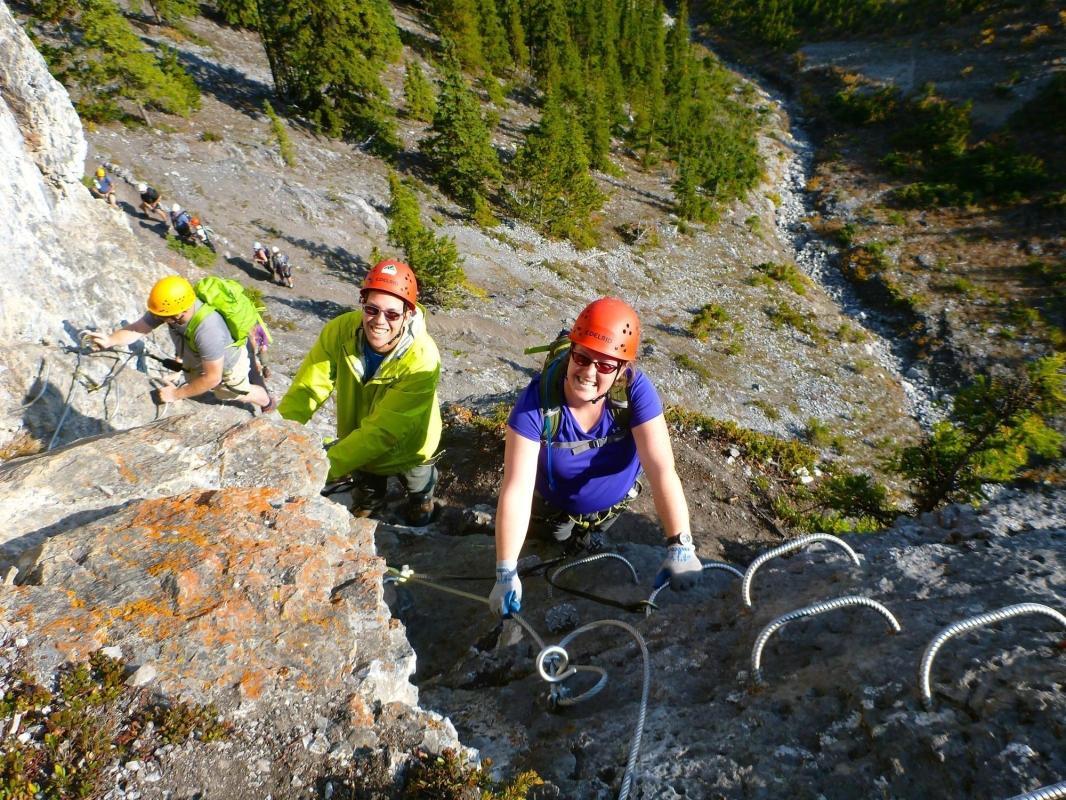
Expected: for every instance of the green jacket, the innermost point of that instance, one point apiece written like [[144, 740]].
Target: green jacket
[[386, 425]]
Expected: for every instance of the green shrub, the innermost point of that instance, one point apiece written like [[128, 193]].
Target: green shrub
[[285, 148], [996, 425], [787, 454], [709, 319], [817, 433], [448, 776], [784, 315], [201, 256], [686, 363], [434, 259], [865, 105], [782, 273]]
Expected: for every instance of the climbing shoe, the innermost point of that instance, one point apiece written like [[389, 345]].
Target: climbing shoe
[[367, 504], [418, 513]]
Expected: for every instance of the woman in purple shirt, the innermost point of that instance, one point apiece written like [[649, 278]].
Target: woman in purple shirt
[[587, 472]]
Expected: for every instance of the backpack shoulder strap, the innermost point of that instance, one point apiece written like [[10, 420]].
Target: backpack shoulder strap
[[194, 324]]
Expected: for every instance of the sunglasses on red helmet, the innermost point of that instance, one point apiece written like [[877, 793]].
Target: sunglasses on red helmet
[[602, 367]]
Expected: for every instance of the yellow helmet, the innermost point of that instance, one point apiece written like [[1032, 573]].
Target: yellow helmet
[[100, 172], [171, 296]]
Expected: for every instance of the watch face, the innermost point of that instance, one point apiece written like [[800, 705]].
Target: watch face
[[684, 539]]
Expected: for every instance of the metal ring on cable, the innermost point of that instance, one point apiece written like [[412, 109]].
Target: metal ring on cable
[[788, 547], [810, 611], [1056, 791], [562, 672], [722, 565], [970, 624]]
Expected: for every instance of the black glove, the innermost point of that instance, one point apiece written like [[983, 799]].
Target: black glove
[[172, 364], [156, 398]]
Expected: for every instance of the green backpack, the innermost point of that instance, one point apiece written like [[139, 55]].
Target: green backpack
[[551, 400], [227, 297]]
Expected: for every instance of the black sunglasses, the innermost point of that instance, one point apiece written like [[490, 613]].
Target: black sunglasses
[[602, 367], [372, 311]]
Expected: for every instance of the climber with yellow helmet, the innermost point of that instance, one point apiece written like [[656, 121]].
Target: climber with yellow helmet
[[103, 188], [206, 351], [578, 438]]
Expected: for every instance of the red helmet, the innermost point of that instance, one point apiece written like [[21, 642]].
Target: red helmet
[[609, 326], [393, 277]]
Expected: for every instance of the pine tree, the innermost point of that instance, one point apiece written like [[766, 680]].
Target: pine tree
[[464, 161], [434, 259], [511, 14], [239, 13], [597, 123], [497, 53], [418, 94], [457, 22], [995, 424], [553, 187], [114, 65], [327, 57], [689, 200], [171, 11]]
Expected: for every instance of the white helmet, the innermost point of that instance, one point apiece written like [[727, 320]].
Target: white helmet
[[174, 209], [274, 249], [257, 246], [142, 187]]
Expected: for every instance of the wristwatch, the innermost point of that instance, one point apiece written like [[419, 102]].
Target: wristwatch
[[684, 539]]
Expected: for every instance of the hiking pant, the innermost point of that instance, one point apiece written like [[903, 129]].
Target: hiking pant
[[419, 483], [559, 525]]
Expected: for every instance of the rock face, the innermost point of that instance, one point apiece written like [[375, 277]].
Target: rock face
[[840, 714], [70, 261], [205, 553]]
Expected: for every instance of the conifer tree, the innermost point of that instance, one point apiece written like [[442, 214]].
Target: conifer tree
[[239, 13], [689, 200], [171, 11], [511, 15], [494, 45], [418, 94], [460, 149], [114, 65], [434, 259], [553, 187], [995, 424], [327, 57], [457, 22], [597, 122], [552, 50]]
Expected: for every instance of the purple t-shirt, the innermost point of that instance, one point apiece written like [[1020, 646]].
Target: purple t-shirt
[[597, 478]]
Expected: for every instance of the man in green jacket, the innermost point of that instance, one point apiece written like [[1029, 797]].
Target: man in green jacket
[[385, 369]]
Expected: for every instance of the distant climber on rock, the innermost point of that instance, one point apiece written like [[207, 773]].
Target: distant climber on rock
[[182, 221], [205, 348], [261, 257], [280, 267], [577, 440], [384, 368], [103, 188], [151, 205]]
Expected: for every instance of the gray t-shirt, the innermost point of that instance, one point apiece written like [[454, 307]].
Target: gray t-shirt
[[212, 338]]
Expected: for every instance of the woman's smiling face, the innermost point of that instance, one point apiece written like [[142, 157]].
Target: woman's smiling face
[[590, 375]]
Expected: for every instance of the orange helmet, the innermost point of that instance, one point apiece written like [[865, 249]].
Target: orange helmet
[[609, 326], [195, 221], [171, 296], [393, 277]]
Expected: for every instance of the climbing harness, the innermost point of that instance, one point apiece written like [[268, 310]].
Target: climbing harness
[[788, 547], [553, 662], [969, 624], [707, 565], [810, 611]]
